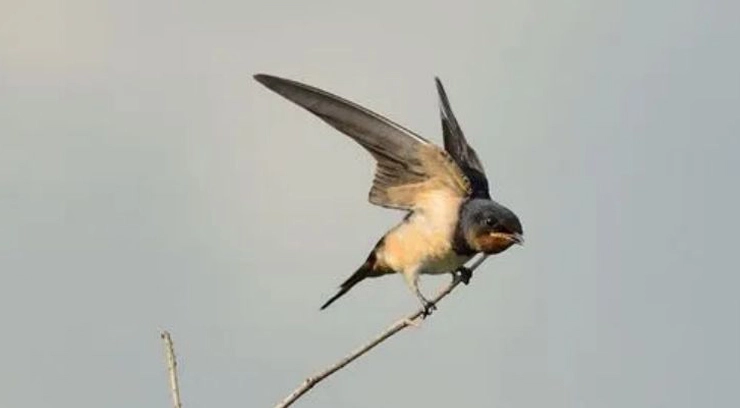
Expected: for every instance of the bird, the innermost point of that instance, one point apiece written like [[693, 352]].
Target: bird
[[450, 215]]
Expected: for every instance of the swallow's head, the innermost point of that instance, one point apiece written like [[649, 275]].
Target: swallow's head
[[489, 227]]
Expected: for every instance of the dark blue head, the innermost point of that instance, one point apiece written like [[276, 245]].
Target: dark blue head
[[489, 227]]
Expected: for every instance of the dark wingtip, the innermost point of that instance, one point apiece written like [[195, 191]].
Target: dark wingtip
[[440, 87], [264, 79], [278, 84]]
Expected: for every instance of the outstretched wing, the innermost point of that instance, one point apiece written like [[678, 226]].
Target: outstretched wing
[[458, 147], [408, 166]]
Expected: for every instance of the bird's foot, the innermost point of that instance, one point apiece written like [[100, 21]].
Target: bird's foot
[[429, 307], [465, 274]]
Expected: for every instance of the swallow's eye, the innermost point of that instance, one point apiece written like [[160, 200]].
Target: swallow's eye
[[490, 222]]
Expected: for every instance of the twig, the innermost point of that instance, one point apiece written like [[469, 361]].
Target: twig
[[169, 351], [401, 324]]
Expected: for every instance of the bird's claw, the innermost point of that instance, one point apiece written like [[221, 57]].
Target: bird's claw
[[465, 274], [429, 307]]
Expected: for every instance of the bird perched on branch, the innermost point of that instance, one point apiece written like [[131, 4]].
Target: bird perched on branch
[[451, 216]]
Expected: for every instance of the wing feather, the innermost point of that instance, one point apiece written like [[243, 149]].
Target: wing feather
[[458, 147], [407, 164]]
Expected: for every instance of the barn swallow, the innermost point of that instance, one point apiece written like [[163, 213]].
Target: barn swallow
[[450, 214]]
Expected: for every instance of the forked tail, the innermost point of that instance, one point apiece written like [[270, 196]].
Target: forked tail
[[353, 280], [367, 270]]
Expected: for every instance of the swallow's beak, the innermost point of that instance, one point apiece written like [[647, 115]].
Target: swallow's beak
[[517, 238]]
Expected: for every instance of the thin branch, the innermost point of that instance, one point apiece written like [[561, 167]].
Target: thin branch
[[403, 323], [169, 351]]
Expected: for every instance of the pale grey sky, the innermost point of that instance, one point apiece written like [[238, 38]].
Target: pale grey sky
[[147, 182]]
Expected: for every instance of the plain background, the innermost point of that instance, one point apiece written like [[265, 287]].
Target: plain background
[[147, 182]]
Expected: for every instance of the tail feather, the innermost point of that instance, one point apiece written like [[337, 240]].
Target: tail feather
[[353, 280]]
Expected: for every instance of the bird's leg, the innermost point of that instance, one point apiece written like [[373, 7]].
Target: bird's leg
[[427, 304], [412, 280]]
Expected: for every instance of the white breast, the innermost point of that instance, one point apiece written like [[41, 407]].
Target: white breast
[[445, 264]]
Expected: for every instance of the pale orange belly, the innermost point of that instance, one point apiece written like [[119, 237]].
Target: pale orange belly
[[417, 247]]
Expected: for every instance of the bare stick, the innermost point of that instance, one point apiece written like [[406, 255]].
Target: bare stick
[[403, 323], [169, 351]]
